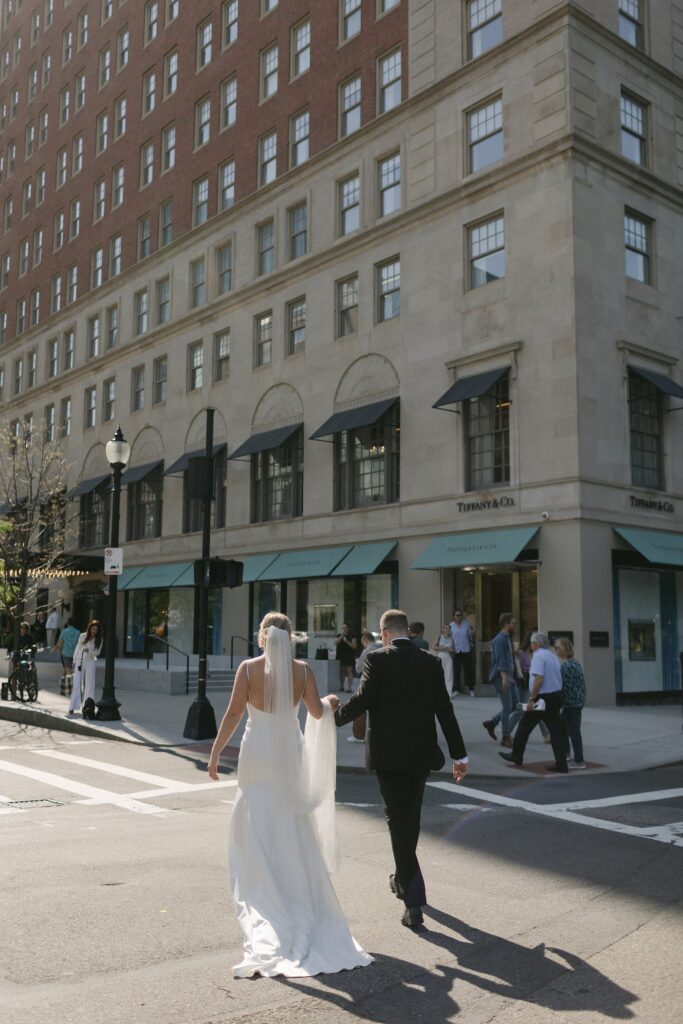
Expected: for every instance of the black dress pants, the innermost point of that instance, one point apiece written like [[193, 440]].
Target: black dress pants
[[553, 719], [463, 665], [402, 793]]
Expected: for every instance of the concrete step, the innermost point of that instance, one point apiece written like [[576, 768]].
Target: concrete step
[[215, 681]]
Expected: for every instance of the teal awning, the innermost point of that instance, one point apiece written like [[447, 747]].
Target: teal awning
[[127, 576], [292, 565], [254, 565], [655, 545], [478, 547], [363, 559], [186, 578], [153, 577]]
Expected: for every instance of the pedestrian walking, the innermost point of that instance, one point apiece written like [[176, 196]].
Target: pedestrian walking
[[503, 676], [369, 644], [443, 648], [416, 634], [545, 701], [52, 625], [524, 659], [66, 646], [573, 698], [463, 653], [346, 645], [85, 659]]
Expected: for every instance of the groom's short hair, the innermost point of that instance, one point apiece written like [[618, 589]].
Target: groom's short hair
[[395, 621]]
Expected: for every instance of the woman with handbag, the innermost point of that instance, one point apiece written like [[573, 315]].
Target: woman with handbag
[[84, 661]]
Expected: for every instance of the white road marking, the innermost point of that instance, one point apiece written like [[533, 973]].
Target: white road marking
[[92, 793], [187, 787], [671, 834], [114, 769], [614, 801]]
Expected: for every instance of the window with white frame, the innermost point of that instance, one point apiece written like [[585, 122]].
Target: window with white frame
[[18, 376], [298, 231], [50, 423], [43, 121], [144, 236], [301, 48], [389, 90], [485, 135], [350, 18], [30, 140], [108, 399], [104, 66], [79, 89], [69, 347], [159, 379], [37, 247], [99, 199], [202, 122], [269, 69], [56, 293], [631, 22], [8, 213], [123, 48], [97, 266], [65, 417], [115, 255], [229, 102], [94, 337], [197, 282], [72, 283], [221, 355], [227, 184], [117, 186], [146, 164], [389, 172], [112, 319], [300, 135], [90, 407], [35, 306], [166, 222], [172, 10], [82, 28], [204, 44], [171, 73], [32, 83], [168, 143], [484, 26], [23, 256], [75, 219], [102, 132], [200, 201], [230, 13], [141, 306], [60, 221], [151, 20], [389, 289], [41, 185], [32, 369], [296, 326], [64, 105], [349, 204], [350, 109], [163, 300], [149, 92], [62, 165], [268, 158], [638, 245], [486, 252], [67, 45], [195, 366], [263, 338], [46, 69], [120, 117], [224, 268], [5, 265], [77, 153], [633, 129], [137, 389], [266, 247]]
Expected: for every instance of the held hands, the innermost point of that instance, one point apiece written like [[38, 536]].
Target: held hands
[[460, 770], [333, 700]]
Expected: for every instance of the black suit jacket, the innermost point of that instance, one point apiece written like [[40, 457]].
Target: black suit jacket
[[404, 691]]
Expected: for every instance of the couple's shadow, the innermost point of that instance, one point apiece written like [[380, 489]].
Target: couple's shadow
[[394, 989]]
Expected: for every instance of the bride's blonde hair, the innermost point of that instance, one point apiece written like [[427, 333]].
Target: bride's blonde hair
[[278, 619]]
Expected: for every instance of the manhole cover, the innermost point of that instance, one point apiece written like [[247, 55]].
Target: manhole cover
[[33, 803]]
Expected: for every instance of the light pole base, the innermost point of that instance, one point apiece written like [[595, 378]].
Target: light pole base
[[201, 721], [108, 710]]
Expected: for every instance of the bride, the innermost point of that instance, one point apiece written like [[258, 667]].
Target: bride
[[282, 836]]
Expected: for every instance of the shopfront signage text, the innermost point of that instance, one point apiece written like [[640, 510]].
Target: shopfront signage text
[[653, 504], [505, 501]]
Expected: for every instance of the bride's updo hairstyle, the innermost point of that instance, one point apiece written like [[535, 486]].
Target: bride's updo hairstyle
[[278, 619]]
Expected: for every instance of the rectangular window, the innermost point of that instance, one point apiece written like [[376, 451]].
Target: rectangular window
[[52, 357], [367, 463], [123, 48], [18, 375], [5, 269], [137, 389], [117, 186], [144, 236], [230, 13], [94, 337], [200, 202], [146, 164], [115, 255], [349, 205], [69, 349], [104, 66], [485, 135], [637, 243], [141, 311], [389, 290], [198, 283], [646, 428], [50, 424], [8, 213], [120, 117], [35, 307], [204, 41], [59, 230], [99, 200], [151, 20], [350, 112], [221, 355], [108, 400], [631, 22], [228, 102], [90, 407], [298, 231], [82, 28], [112, 326], [487, 252], [224, 268], [269, 68], [56, 293], [484, 26], [149, 92], [263, 339], [301, 48], [202, 122], [102, 133], [633, 129], [80, 90], [170, 73], [160, 375], [62, 165], [163, 300], [296, 326], [268, 158], [266, 247], [195, 366], [227, 184], [41, 184], [30, 140], [75, 219], [389, 184], [32, 369], [350, 18], [43, 121], [67, 45], [389, 82], [300, 134], [23, 257], [77, 152], [166, 222], [46, 69], [277, 481], [94, 517], [487, 437], [172, 10], [144, 511], [72, 283], [65, 417], [97, 264]]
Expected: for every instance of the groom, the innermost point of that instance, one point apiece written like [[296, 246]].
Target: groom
[[403, 689]]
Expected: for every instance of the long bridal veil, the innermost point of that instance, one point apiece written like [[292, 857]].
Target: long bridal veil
[[306, 772]]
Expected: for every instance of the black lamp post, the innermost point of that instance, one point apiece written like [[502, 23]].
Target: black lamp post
[[118, 452]]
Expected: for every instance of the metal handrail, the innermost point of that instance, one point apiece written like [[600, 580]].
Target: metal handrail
[[249, 643], [160, 639]]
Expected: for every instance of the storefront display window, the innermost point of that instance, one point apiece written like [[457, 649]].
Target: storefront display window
[[641, 640]]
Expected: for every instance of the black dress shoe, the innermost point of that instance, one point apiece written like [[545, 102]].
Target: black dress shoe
[[392, 884], [412, 917], [508, 757], [560, 769]]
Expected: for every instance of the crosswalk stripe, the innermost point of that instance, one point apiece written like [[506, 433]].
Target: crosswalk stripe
[[102, 796], [170, 790], [114, 769]]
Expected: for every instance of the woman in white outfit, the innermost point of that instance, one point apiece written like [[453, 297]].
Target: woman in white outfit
[[443, 646], [85, 659], [282, 833]]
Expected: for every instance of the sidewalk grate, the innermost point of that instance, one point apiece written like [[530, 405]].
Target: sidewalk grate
[[33, 803]]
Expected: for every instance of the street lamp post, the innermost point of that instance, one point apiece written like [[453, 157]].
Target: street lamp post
[[118, 452]]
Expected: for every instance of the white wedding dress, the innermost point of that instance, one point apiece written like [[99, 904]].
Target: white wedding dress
[[282, 837]]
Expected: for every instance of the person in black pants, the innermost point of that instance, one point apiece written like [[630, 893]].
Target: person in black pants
[[403, 690]]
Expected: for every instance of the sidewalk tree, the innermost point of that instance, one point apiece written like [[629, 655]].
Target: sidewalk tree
[[33, 514]]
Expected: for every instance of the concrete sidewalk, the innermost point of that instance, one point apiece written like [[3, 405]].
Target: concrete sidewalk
[[615, 739]]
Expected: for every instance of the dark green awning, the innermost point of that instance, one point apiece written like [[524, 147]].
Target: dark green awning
[[662, 383], [471, 387], [264, 441], [354, 419], [655, 545]]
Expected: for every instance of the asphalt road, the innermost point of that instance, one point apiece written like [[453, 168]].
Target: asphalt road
[[551, 900]]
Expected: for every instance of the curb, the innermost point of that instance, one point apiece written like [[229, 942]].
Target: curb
[[46, 720]]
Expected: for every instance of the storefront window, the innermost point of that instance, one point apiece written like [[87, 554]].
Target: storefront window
[[146, 619], [648, 630]]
